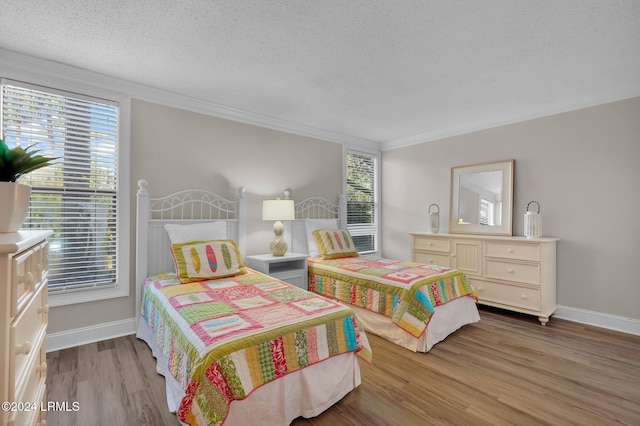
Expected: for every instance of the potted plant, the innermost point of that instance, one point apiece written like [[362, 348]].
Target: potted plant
[[14, 196]]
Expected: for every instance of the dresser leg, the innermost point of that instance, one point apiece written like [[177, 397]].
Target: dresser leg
[[543, 320]]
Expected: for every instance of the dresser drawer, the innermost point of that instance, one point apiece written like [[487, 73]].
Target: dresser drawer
[[431, 258], [432, 244], [26, 331], [507, 294], [528, 273], [28, 270], [31, 391], [513, 250]]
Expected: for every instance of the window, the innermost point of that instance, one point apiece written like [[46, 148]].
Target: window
[[362, 199], [78, 196], [486, 212]]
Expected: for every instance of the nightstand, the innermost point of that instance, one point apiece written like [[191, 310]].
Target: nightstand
[[291, 268]]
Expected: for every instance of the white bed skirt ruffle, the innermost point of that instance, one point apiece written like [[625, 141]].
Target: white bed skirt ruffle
[[445, 320], [306, 392]]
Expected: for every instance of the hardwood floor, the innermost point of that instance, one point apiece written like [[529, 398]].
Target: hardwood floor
[[505, 370]]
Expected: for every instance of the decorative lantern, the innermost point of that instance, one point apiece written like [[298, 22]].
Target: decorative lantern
[[434, 219], [532, 222]]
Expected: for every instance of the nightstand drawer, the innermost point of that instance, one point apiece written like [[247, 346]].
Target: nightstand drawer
[[511, 271], [432, 244], [516, 251], [26, 331], [432, 258], [507, 294]]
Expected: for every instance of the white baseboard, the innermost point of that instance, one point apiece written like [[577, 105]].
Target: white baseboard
[[85, 335], [599, 319], [111, 330]]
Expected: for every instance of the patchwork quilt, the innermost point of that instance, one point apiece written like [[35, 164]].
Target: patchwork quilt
[[224, 338], [406, 292]]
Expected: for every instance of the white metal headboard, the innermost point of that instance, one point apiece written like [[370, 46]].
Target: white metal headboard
[[185, 207], [314, 208]]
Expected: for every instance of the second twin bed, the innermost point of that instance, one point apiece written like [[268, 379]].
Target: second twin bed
[[411, 304]]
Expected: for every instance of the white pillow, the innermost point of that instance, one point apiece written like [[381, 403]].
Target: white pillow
[[313, 225], [197, 232]]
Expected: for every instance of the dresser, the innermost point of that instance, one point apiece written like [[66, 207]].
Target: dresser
[[514, 273], [23, 325]]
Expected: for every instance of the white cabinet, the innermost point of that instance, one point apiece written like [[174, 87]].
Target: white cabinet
[[514, 273], [23, 323], [291, 268]]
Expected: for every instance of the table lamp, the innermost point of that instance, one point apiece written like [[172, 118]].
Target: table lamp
[[278, 210]]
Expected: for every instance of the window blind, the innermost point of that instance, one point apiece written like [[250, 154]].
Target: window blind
[[362, 222], [76, 196], [484, 212]]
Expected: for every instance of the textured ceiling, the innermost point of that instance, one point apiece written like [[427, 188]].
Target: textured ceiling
[[390, 72]]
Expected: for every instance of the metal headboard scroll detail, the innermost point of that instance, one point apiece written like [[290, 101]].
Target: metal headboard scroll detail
[[313, 208], [193, 205], [316, 208]]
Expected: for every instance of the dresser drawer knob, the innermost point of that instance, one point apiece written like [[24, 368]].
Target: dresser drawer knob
[[523, 296], [23, 349], [27, 279], [480, 288], [509, 270], [510, 250], [42, 368], [43, 309]]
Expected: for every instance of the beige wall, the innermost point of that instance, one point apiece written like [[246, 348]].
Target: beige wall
[[582, 166], [584, 169], [175, 149]]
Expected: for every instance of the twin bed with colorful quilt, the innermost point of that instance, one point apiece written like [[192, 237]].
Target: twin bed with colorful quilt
[[405, 292], [411, 304], [223, 338]]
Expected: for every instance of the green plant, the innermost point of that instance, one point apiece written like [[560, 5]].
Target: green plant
[[19, 161]]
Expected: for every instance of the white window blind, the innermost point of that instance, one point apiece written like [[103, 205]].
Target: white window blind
[[362, 221], [76, 196], [484, 212]]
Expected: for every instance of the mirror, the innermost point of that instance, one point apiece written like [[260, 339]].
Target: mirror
[[482, 199]]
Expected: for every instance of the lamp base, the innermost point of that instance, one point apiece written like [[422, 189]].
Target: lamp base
[[279, 245]]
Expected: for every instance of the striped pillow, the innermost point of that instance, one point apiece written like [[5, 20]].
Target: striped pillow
[[334, 243], [206, 260]]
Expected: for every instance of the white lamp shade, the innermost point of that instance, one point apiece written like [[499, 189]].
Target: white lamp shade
[[278, 210]]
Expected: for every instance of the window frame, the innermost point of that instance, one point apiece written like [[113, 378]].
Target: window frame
[[121, 287], [376, 193]]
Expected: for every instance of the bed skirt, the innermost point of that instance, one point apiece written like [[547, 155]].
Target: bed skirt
[[306, 392], [445, 320]]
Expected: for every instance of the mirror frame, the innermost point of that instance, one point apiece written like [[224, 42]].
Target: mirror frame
[[506, 227]]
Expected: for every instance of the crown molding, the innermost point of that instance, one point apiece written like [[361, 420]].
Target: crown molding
[[35, 70], [22, 67]]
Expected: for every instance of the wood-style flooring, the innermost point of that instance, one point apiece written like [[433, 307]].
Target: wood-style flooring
[[505, 370]]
